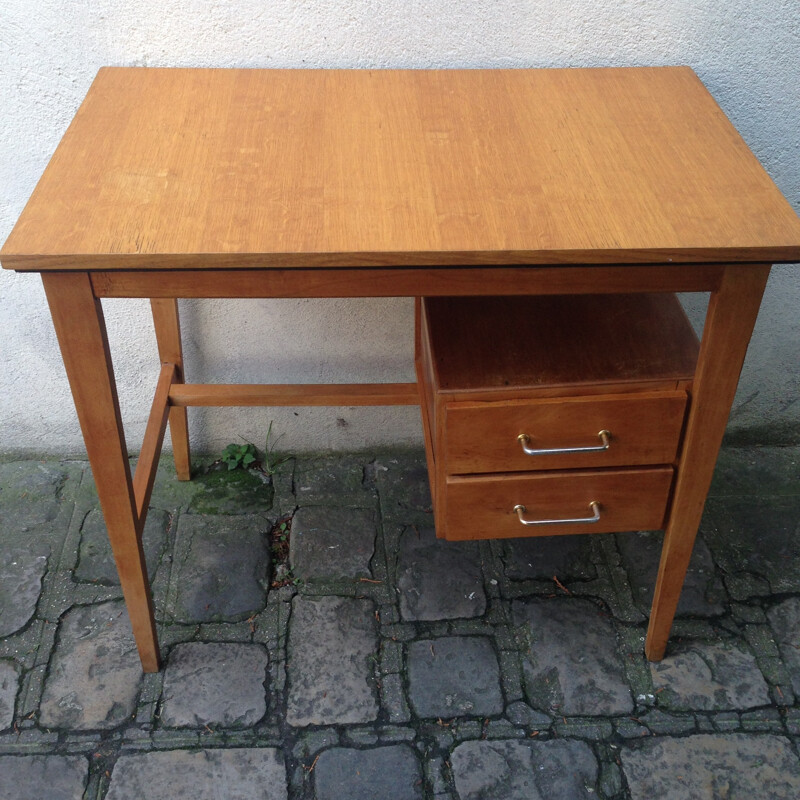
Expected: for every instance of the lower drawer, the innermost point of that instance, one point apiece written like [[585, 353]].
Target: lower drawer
[[484, 507]]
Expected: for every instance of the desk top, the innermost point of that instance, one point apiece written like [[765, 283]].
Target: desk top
[[173, 168]]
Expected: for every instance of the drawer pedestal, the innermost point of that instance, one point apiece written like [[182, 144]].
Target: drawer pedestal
[[584, 422]]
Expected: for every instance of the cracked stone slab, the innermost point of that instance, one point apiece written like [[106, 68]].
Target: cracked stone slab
[[9, 686], [330, 543], [388, 773], [702, 594], [784, 619], [438, 579], [572, 666], [29, 493], [403, 483], [95, 559], [732, 765], [332, 649], [236, 774], [454, 676], [214, 684], [21, 574], [515, 770], [337, 480], [542, 557], [709, 677], [37, 777], [757, 541], [95, 672], [220, 568]]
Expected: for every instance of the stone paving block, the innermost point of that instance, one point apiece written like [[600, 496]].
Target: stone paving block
[[29, 493], [332, 649], [332, 543], [709, 677], [710, 766], [219, 490], [572, 666], [542, 557], [220, 568], [214, 684], [9, 686], [380, 773], [454, 676], [95, 559], [784, 619], [393, 698], [522, 714], [702, 595], [237, 774], [336, 480], [403, 483], [21, 576], [757, 470], [757, 541], [43, 777], [95, 672], [515, 770], [438, 579]]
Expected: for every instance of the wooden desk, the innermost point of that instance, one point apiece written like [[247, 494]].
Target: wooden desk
[[259, 183]]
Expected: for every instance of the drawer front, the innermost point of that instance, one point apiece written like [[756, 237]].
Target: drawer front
[[484, 508], [644, 428]]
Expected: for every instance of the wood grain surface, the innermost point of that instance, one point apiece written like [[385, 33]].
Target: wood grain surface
[[483, 507], [502, 345], [169, 168]]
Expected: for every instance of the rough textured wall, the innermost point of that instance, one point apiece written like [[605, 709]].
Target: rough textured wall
[[746, 52]]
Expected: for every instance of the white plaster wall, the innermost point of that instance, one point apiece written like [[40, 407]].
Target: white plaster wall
[[746, 51]]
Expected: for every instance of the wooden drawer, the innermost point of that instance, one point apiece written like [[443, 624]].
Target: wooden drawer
[[483, 507], [645, 428]]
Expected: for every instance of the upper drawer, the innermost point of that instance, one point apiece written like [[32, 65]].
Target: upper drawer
[[643, 428]]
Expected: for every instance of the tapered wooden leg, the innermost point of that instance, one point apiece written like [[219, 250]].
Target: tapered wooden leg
[[80, 328], [729, 323], [168, 336]]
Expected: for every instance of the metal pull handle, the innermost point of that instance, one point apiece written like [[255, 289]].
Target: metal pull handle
[[594, 505], [524, 440]]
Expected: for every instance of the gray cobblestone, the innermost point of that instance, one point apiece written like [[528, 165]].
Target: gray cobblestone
[[9, 686], [257, 774], [332, 648], [438, 579], [731, 670], [454, 676], [43, 776], [214, 684], [390, 773], [735, 765]]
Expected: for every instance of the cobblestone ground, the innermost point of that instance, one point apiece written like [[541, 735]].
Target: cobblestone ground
[[320, 643]]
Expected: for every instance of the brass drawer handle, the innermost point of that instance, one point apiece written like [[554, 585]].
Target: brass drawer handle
[[524, 440], [594, 505]]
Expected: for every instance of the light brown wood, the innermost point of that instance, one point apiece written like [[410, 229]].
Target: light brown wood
[[400, 282], [483, 507], [299, 394], [731, 315], [145, 475], [80, 328], [287, 168], [645, 428], [424, 389], [503, 345], [170, 350]]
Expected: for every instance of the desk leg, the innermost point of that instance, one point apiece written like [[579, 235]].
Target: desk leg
[[729, 323], [81, 331], [168, 336]]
